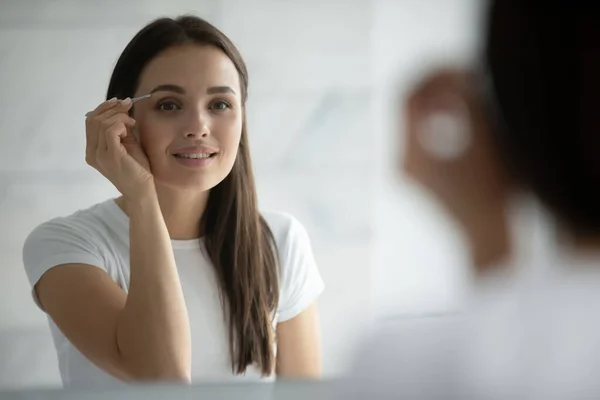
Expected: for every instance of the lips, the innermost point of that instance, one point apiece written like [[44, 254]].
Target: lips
[[195, 155], [195, 152]]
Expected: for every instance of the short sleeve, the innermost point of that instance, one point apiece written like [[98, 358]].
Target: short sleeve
[[300, 282], [55, 243]]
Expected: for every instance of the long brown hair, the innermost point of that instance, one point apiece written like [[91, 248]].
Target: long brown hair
[[238, 240]]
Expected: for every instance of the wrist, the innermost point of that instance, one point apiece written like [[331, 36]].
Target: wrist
[[145, 195], [489, 240]]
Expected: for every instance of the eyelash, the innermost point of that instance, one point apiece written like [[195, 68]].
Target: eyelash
[[170, 102], [162, 103], [227, 104]]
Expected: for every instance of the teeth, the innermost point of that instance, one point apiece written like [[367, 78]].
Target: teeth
[[198, 155]]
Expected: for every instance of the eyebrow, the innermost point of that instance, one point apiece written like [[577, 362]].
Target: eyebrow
[[168, 88], [220, 89], [180, 90]]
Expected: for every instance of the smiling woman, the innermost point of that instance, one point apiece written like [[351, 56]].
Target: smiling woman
[[181, 278]]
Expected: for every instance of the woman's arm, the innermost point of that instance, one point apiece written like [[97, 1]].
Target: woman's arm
[[299, 346], [144, 335], [153, 332]]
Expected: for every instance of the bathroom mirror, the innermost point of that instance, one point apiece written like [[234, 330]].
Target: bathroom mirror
[[324, 78]]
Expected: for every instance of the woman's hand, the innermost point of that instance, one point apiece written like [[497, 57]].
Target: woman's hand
[[471, 184], [114, 151]]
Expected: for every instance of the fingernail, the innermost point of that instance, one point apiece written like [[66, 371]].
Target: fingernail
[[126, 101], [112, 100]]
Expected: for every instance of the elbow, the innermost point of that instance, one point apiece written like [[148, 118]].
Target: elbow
[[307, 374], [177, 374], [155, 357], [160, 372], [162, 375], [176, 377]]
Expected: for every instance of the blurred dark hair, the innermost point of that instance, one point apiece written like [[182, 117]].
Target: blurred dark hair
[[543, 65], [237, 239]]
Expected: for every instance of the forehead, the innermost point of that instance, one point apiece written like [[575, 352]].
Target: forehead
[[193, 67]]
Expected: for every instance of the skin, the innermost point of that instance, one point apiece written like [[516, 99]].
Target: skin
[[164, 200], [473, 188]]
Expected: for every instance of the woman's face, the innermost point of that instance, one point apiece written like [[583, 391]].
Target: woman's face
[[190, 128]]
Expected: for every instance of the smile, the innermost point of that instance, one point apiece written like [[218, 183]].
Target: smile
[[195, 155]]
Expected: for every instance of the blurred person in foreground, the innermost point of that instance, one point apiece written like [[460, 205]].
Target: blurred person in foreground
[[530, 125]]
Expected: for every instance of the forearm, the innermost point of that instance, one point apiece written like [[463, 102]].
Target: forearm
[[489, 240], [307, 369], [153, 333], [299, 346]]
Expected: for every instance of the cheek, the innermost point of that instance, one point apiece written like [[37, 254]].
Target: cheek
[[229, 135], [154, 138]]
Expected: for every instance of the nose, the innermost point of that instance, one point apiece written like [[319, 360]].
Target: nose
[[197, 126]]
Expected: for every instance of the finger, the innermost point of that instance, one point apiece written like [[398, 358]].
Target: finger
[[104, 115], [104, 110], [115, 128], [98, 119], [122, 106], [107, 123], [108, 109], [113, 139], [101, 138], [103, 126], [107, 105], [120, 117], [91, 144], [97, 126]]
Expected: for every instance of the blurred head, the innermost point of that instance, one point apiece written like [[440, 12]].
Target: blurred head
[[527, 120], [543, 65], [199, 84]]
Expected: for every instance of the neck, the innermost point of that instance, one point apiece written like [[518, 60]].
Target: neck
[[182, 211]]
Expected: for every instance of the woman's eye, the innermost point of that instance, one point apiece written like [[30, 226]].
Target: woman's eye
[[168, 106], [220, 105]]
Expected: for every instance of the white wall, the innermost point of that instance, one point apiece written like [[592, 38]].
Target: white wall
[[322, 73]]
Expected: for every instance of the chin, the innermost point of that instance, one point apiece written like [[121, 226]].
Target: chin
[[196, 184]]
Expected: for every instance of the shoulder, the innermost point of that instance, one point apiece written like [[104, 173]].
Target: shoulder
[[281, 223], [289, 233], [75, 238], [300, 282], [85, 223]]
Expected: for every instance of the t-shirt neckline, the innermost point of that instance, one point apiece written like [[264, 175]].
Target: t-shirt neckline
[[121, 217]]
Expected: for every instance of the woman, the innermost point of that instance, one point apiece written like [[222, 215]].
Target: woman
[[531, 122], [181, 278]]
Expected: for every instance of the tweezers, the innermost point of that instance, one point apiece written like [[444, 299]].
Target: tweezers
[[134, 100]]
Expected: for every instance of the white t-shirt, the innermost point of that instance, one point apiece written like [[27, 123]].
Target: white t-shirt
[[535, 337], [99, 236]]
